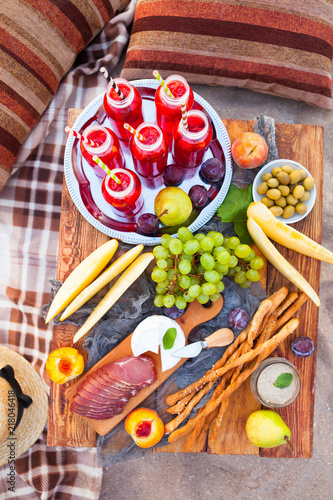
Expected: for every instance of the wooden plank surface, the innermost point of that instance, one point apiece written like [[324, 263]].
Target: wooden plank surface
[[302, 143]]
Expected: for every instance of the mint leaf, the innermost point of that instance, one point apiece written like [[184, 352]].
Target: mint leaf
[[169, 338], [284, 380], [234, 209]]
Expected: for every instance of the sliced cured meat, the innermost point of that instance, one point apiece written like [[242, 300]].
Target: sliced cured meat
[[99, 398], [89, 403], [103, 386], [132, 370], [107, 390], [113, 383]]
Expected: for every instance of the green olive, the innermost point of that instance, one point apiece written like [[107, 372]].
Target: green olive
[[281, 202], [301, 208], [305, 196], [283, 178], [273, 194], [265, 177], [262, 188], [267, 202], [284, 190], [295, 176], [275, 171], [288, 211], [291, 200], [276, 211], [272, 183], [298, 192], [287, 168], [304, 174], [308, 183]]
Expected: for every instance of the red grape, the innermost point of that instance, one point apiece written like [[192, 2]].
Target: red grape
[[147, 223], [173, 312], [238, 318], [212, 170], [198, 195], [302, 346], [173, 175]]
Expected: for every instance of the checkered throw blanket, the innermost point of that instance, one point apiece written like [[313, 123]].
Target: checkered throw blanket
[[29, 226]]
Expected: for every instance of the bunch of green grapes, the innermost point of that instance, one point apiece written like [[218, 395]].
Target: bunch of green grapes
[[192, 267]]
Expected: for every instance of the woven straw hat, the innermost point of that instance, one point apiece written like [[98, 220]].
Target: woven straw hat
[[14, 443]]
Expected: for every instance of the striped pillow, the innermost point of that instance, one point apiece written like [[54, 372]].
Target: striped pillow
[[39, 40], [281, 48]]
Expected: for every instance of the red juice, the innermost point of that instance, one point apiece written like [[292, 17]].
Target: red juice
[[151, 155], [108, 148], [125, 198], [120, 111], [189, 145], [168, 109]]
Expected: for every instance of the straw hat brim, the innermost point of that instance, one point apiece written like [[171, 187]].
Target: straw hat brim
[[34, 418]]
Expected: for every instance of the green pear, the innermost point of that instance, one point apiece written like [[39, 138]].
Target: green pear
[[174, 205], [266, 429]]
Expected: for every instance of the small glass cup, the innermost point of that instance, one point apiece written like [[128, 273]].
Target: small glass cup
[[190, 144], [126, 199], [168, 109], [108, 149], [120, 111], [262, 372], [151, 155]]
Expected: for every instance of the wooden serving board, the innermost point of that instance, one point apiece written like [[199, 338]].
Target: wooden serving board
[[77, 239], [195, 315]]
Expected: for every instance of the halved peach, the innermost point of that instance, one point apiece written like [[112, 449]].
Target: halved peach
[[64, 364], [145, 427]]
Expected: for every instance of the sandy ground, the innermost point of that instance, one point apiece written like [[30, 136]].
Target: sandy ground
[[201, 476]]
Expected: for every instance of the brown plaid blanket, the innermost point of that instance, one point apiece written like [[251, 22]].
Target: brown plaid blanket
[[29, 225]]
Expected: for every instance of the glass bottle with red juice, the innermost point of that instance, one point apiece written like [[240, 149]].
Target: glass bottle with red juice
[[150, 156], [125, 198], [168, 109], [107, 148], [120, 111], [190, 144]]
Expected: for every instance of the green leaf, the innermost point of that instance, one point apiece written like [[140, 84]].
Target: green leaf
[[169, 338], [284, 380], [234, 209], [240, 226]]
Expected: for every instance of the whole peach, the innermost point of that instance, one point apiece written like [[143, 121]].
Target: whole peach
[[249, 150], [145, 427]]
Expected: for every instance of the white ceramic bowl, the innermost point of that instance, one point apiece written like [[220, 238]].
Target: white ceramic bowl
[[279, 163]]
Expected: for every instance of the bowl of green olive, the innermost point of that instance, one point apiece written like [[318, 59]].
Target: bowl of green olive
[[286, 188]]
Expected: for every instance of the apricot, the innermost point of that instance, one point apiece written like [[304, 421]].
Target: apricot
[[145, 427], [249, 150], [64, 364]]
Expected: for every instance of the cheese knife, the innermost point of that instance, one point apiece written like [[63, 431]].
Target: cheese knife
[[220, 338]]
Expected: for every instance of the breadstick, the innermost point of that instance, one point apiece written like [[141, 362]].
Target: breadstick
[[212, 374], [185, 413], [292, 309], [177, 408], [287, 303], [264, 351], [199, 430]]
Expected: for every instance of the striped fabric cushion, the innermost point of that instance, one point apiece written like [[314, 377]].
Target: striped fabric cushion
[[282, 47], [39, 40]]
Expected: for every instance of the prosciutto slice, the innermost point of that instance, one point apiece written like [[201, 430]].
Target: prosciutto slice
[[108, 389]]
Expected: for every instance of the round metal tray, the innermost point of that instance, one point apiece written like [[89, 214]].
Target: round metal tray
[[85, 187]]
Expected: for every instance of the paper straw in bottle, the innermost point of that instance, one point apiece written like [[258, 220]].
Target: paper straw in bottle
[[81, 137], [162, 83], [132, 131], [115, 87], [184, 114], [106, 169]]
